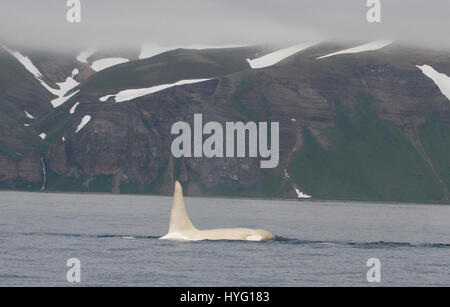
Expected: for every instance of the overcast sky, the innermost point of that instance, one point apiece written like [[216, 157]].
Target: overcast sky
[[42, 23]]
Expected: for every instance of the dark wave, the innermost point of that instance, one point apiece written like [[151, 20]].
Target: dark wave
[[368, 245], [278, 239], [78, 235]]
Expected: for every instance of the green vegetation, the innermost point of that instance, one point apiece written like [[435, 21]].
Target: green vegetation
[[82, 183], [55, 124], [20, 185], [435, 137], [23, 134], [367, 159], [244, 87], [164, 68], [5, 149]]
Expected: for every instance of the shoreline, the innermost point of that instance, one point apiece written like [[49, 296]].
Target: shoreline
[[321, 201]]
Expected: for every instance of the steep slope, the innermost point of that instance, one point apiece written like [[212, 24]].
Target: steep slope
[[366, 125]]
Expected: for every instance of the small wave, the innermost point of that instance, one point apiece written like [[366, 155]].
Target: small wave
[[13, 276], [368, 245], [278, 239], [78, 235]]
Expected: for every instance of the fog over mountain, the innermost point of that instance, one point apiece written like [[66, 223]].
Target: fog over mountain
[[43, 24]]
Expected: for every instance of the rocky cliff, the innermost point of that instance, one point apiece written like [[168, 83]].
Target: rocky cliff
[[363, 126]]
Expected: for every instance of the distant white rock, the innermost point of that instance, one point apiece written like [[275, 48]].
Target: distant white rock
[[43, 135], [28, 115], [301, 194], [131, 94], [362, 48], [107, 62], [277, 56], [84, 121], [286, 174], [441, 79], [73, 108], [85, 55]]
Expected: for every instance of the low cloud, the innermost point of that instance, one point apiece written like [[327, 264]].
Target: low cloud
[[43, 24]]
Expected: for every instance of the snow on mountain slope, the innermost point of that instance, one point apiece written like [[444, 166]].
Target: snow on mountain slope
[[441, 79], [131, 94], [277, 56], [85, 55], [362, 48], [84, 121], [73, 108], [28, 115], [64, 87], [150, 50], [106, 63]]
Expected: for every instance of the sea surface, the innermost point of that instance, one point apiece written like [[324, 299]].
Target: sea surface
[[115, 237]]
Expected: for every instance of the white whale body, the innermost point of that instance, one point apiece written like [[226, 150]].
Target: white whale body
[[181, 227]]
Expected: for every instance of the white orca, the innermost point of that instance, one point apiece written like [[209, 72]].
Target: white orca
[[181, 227]]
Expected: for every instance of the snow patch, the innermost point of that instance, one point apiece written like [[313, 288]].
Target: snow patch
[[440, 79], [84, 121], [27, 125], [277, 56], [73, 108], [64, 87], [86, 54], [43, 135], [108, 62], [29, 115], [301, 194], [62, 99], [362, 48], [131, 94]]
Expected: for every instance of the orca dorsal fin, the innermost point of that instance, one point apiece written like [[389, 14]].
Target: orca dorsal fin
[[179, 219]]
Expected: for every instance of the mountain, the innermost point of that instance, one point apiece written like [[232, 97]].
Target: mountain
[[371, 123]]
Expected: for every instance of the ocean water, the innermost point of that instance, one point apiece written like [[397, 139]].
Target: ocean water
[[115, 237]]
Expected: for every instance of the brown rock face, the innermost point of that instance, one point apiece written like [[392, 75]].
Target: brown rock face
[[30, 169], [126, 145], [57, 158], [8, 169]]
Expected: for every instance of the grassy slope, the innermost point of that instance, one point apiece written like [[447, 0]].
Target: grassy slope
[[435, 136], [167, 68], [368, 159]]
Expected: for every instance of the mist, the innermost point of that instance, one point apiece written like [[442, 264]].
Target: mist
[[43, 25]]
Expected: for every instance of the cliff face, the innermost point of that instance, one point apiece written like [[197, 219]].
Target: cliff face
[[367, 126]]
